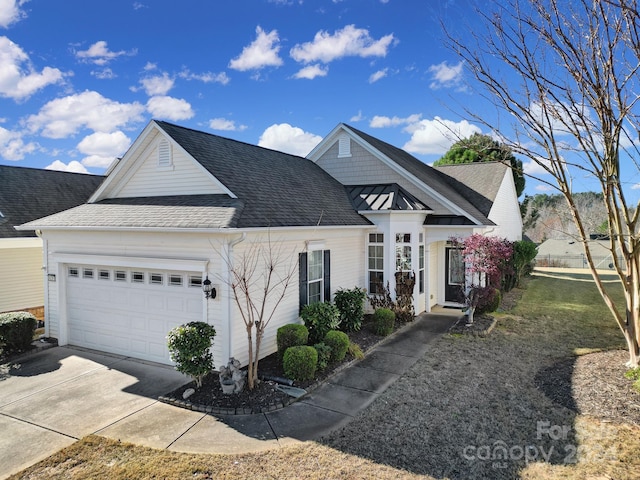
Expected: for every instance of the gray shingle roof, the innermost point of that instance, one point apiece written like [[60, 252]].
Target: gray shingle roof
[[27, 194], [431, 177], [477, 182], [177, 211], [277, 189]]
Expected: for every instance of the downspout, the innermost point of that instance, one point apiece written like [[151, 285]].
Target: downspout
[[45, 280], [229, 261]]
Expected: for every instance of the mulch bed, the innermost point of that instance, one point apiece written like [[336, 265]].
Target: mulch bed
[[265, 396]]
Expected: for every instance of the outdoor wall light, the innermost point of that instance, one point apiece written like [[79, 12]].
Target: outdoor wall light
[[209, 290]]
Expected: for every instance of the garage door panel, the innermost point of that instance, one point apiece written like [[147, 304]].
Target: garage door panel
[[128, 318]]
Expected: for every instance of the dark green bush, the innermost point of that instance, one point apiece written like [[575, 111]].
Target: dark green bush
[[319, 318], [324, 355], [16, 331], [489, 301], [383, 321], [350, 303], [291, 335], [339, 344], [300, 363], [189, 347]]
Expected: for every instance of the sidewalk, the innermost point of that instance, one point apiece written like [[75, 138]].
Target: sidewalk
[[326, 408]]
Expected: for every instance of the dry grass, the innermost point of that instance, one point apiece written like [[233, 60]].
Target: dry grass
[[466, 399]]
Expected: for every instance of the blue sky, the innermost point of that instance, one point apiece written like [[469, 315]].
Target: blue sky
[[79, 80]]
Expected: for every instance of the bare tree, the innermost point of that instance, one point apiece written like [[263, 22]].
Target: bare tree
[[566, 73], [259, 280]]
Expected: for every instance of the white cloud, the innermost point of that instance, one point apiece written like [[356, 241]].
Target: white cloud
[[348, 42], [72, 166], [285, 138], [207, 77], [150, 66], [262, 52], [445, 75], [104, 144], [98, 161], [535, 167], [99, 53], [169, 108], [225, 125], [10, 12], [18, 78], [543, 187], [374, 77], [379, 121], [635, 186], [157, 85], [312, 71], [357, 118], [65, 116], [12, 146], [104, 74], [436, 136]]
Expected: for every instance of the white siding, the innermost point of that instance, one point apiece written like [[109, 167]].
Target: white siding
[[362, 168], [184, 177], [505, 212], [21, 275], [433, 273]]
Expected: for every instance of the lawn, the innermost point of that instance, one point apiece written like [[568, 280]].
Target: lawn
[[510, 405]]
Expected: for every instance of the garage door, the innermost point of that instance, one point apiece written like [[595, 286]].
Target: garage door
[[129, 311]]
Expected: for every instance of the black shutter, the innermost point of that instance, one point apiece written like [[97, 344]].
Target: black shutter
[[327, 275], [302, 278]]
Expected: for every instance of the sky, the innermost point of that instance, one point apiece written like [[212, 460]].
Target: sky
[[79, 80]]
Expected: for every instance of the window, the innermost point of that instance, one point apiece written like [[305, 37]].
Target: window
[[456, 267], [175, 280], [137, 277], [164, 153], [157, 278], [376, 263], [195, 281], [314, 277], [73, 271], [403, 252], [104, 274], [421, 268], [120, 276], [87, 273]]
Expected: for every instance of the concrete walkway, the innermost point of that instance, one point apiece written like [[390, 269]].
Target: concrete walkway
[[63, 394]]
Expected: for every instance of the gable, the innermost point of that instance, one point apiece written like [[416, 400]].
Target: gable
[[157, 166]]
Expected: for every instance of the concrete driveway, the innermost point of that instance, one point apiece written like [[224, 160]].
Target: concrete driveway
[[51, 399]]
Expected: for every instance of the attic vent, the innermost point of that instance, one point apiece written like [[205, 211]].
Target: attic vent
[[344, 146], [164, 154]]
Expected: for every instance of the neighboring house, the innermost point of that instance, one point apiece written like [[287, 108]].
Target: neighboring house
[[27, 194], [182, 204]]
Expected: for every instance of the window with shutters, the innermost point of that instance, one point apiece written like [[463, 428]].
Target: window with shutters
[[164, 154]]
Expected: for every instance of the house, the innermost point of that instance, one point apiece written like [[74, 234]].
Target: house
[[28, 194], [181, 205]]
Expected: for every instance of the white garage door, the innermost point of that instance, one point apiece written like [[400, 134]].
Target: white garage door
[[129, 311]]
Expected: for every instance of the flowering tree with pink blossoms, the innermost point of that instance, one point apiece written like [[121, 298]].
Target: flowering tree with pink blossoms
[[485, 260]]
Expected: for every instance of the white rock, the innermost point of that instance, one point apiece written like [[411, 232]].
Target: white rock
[[188, 392]]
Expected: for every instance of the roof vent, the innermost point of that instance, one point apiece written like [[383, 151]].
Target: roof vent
[[344, 146], [164, 153]]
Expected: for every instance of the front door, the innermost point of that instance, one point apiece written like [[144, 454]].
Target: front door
[[454, 272]]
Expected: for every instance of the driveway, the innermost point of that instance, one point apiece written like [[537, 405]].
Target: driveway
[[53, 398]]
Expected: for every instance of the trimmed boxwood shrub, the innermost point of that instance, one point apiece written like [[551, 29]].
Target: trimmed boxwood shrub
[[339, 343], [291, 335], [350, 303], [300, 363], [190, 348], [490, 301], [16, 331], [383, 321], [319, 318]]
